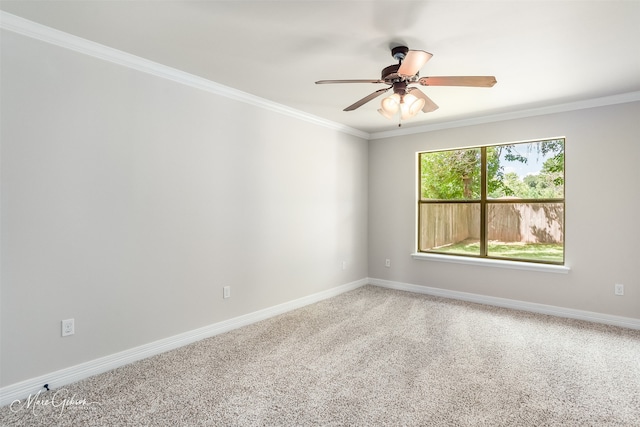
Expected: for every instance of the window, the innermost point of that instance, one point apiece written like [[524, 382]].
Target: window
[[500, 202]]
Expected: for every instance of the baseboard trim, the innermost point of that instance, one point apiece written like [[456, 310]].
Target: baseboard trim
[[75, 373], [625, 322]]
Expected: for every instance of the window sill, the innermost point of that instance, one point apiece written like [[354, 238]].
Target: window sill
[[514, 265]]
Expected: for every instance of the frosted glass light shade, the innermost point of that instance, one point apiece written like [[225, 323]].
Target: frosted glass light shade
[[385, 113], [390, 105], [410, 106]]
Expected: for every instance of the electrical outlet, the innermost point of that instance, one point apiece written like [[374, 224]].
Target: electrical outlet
[[68, 327], [344, 265], [619, 289], [226, 292], [387, 262]]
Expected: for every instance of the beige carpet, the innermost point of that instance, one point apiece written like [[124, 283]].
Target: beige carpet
[[371, 357]]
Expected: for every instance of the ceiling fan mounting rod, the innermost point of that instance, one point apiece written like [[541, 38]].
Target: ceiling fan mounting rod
[[399, 53]]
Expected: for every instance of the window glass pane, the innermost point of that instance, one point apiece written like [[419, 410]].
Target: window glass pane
[[528, 231], [518, 215], [450, 227], [450, 175], [531, 170]]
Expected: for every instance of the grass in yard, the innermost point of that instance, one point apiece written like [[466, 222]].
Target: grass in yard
[[528, 251]]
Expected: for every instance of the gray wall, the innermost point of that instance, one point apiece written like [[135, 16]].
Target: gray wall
[[129, 201], [602, 243]]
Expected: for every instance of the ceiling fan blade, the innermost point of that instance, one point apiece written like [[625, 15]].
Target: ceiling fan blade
[[366, 99], [322, 82], [475, 81], [412, 63], [429, 105]]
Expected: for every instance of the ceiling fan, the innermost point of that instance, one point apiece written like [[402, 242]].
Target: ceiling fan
[[408, 101]]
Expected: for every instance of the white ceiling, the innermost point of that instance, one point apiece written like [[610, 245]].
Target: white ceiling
[[543, 53]]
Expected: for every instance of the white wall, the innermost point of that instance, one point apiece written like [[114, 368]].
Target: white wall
[[602, 211], [129, 201]]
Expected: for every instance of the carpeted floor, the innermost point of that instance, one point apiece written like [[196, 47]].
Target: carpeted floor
[[371, 357]]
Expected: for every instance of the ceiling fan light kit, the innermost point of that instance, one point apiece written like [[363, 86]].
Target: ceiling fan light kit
[[408, 106], [408, 101]]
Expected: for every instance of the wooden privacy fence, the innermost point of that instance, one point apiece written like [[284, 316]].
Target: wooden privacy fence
[[526, 222], [448, 223]]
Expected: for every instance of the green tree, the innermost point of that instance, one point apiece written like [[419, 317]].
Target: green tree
[[554, 168], [450, 175], [514, 185], [456, 174], [495, 172]]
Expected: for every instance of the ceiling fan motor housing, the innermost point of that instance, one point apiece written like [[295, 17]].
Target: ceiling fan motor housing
[[390, 73], [400, 88], [390, 76]]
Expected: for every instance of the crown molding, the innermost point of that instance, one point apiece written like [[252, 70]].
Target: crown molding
[[49, 35], [531, 112]]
